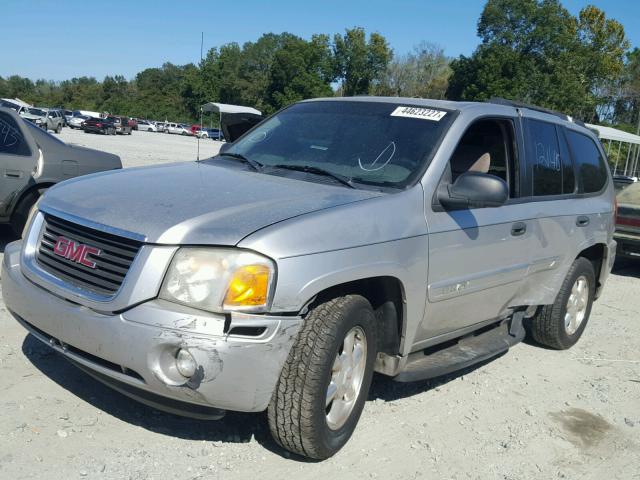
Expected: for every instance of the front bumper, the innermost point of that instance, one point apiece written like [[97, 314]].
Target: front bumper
[[134, 351]]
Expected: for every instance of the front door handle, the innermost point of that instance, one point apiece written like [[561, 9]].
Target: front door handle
[[518, 228], [582, 221], [13, 173]]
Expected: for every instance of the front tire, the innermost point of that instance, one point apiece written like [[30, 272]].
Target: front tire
[[21, 212], [324, 383], [561, 325]]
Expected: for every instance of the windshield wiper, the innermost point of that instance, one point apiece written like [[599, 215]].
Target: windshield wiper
[[257, 166], [317, 171]]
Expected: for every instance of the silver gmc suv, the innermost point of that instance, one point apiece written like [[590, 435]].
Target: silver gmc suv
[[336, 238]]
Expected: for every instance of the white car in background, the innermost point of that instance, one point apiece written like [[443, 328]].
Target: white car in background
[[76, 121], [177, 129], [145, 126]]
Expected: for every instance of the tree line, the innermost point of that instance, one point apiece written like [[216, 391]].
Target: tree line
[[533, 51]]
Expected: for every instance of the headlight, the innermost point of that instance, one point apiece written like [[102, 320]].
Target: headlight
[[219, 279]]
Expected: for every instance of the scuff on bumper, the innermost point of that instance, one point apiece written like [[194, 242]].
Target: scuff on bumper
[[134, 351]]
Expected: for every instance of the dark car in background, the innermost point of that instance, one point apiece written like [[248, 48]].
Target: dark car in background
[[628, 221], [33, 160], [122, 124], [106, 126]]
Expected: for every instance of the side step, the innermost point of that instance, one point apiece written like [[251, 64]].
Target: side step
[[465, 352]]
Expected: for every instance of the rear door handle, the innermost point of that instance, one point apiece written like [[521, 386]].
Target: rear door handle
[[518, 228], [582, 221]]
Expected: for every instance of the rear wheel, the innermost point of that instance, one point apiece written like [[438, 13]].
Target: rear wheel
[[59, 128], [561, 325], [324, 383]]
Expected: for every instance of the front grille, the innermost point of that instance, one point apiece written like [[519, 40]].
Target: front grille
[[111, 265]]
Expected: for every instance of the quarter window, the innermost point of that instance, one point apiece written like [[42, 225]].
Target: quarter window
[[592, 169], [12, 140]]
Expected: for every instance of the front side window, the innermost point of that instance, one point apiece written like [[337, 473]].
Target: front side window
[[488, 146], [592, 169], [12, 140], [369, 143]]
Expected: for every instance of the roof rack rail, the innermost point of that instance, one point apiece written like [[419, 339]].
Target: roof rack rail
[[514, 103]]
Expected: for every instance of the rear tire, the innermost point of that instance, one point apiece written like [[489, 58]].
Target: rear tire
[[329, 366], [561, 325], [59, 129]]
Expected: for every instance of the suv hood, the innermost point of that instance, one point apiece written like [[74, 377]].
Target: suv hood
[[192, 203]]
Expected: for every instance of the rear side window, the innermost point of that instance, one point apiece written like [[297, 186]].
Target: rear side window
[[592, 169], [544, 159], [12, 140], [550, 165]]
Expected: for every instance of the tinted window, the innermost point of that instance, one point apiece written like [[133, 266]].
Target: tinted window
[[12, 140], [544, 158], [591, 166], [568, 172]]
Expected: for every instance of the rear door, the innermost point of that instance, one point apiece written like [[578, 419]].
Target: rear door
[[18, 158]]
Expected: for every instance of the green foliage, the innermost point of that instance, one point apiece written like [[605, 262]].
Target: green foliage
[[422, 73], [537, 52], [268, 74], [359, 63]]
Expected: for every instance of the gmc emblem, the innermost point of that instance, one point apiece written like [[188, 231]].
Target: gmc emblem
[[76, 252]]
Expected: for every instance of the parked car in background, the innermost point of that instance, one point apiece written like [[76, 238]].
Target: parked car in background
[[37, 116], [340, 237], [76, 122], [99, 125], [33, 160], [623, 181], [146, 126], [15, 104], [68, 115], [212, 133], [628, 221], [133, 123], [55, 120], [121, 124], [161, 127], [195, 129], [177, 129]]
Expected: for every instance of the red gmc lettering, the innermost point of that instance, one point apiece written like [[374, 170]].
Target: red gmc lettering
[[76, 252]]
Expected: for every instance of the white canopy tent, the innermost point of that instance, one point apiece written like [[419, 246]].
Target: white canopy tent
[[220, 108], [620, 136]]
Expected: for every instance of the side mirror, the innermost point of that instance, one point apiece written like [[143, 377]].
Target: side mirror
[[474, 190], [224, 147]]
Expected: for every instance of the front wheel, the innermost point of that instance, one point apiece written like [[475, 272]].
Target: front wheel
[[561, 325], [324, 383]]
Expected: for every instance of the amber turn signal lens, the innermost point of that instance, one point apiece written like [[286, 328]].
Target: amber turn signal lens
[[249, 287]]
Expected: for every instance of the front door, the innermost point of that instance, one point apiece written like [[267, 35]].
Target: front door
[[18, 158], [478, 258]]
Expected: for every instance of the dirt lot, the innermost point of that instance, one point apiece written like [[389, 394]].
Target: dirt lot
[[530, 414]]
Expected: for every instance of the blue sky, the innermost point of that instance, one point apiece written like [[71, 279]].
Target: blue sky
[[63, 39]]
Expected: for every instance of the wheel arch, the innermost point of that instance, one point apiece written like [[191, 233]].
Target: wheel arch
[[598, 254], [386, 294]]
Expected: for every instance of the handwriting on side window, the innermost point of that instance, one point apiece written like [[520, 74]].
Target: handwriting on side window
[[547, 157], [8, 135]]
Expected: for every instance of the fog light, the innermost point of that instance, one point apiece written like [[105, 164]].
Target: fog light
[[185, 363]]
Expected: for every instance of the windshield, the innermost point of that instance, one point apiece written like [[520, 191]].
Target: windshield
[[38, 112], [367, 142], [631, 194]]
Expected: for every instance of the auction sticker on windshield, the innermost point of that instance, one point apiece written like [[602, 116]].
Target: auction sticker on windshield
[[416, 112]]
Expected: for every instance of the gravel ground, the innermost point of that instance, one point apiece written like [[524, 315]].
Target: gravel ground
[[143, 148], [530, 414]]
